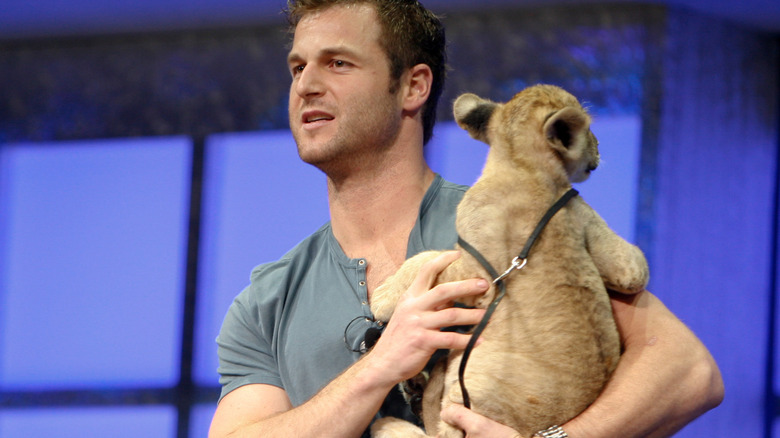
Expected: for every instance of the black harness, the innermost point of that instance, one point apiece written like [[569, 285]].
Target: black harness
[[517, 264]]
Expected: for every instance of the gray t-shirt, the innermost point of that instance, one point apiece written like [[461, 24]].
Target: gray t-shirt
[[300, 321]]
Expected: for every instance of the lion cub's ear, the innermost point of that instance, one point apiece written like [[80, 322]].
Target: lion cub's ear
[[473, 114], [567, 128]]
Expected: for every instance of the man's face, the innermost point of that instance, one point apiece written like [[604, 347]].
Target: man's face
[[341, 110]]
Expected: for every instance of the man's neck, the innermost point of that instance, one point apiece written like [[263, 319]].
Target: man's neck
[[373, 215], [377, 208]]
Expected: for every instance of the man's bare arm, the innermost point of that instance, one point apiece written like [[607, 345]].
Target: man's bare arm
[[346, 406], [665, 379], [343, 408]]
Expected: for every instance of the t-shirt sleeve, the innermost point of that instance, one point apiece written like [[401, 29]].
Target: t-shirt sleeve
[[245, 345]]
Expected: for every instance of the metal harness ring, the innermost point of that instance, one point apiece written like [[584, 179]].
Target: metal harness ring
[[516, 264]]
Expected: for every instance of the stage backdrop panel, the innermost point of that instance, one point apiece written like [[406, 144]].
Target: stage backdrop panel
[[92, 258], [200, 420], [715, 193], [119, 422]]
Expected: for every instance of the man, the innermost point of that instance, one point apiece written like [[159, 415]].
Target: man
[[366, 75]]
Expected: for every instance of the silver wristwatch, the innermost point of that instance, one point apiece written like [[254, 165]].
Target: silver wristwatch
[[552, 432]]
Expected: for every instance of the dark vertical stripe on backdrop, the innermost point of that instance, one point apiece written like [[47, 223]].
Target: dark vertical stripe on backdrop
[[186, 389]]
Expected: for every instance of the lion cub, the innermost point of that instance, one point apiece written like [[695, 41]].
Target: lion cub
[[552, 343]]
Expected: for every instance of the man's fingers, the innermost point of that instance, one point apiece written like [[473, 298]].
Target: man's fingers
[[454, 340], [454, 316], [475, 425], [460, 417], [431, 269], [446, 293]]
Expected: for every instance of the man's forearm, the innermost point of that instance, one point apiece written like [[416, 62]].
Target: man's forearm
[[344, 408], [665, 379]]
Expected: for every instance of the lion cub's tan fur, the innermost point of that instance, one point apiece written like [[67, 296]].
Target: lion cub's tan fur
[[552, 343]]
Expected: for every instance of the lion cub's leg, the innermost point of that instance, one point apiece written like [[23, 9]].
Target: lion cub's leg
[[622, 266], [385, 297]]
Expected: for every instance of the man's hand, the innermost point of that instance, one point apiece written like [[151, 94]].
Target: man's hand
[[474, 424], [414, 333], [346, 406], [664, 380]]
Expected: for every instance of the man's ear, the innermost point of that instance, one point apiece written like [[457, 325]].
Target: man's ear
[[416, 86]]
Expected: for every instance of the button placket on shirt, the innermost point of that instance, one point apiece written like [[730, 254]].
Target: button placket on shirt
[[362, 282]]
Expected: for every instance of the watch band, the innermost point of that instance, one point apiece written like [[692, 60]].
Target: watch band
[[552, 432]]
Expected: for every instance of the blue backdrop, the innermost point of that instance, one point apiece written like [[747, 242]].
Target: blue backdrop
[[143, 176]]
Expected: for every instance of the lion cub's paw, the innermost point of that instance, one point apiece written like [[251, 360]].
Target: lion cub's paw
[[389, 427], [384, 299], [632, 275], [386, 296]]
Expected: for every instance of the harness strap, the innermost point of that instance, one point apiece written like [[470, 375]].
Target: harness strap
[[499, 281], [483, 323], [545, 219]]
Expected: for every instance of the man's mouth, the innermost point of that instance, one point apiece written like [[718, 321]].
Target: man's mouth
[[315, 116]]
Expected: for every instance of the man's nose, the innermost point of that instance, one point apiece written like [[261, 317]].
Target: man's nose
[[309, 83]]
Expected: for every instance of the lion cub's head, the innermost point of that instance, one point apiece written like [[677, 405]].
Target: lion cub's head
[[543, 127]]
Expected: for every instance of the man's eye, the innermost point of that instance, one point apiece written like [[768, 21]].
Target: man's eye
[[339, 63], [297, 69]]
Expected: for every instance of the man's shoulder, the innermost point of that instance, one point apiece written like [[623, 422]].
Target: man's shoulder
[[435, 228], [449, 185], [451, 189], [261, 304], [443, 196], [304, 252]]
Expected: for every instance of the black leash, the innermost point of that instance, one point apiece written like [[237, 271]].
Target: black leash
[[517, 264]]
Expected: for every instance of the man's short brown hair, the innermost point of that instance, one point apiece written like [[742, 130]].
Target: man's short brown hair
[[411, 35]]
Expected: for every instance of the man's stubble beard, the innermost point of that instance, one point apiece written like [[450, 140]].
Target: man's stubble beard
[[360, 147]]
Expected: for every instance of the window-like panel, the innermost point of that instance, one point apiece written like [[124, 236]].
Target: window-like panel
[[119, 422], [92, 245], [200, 420]]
